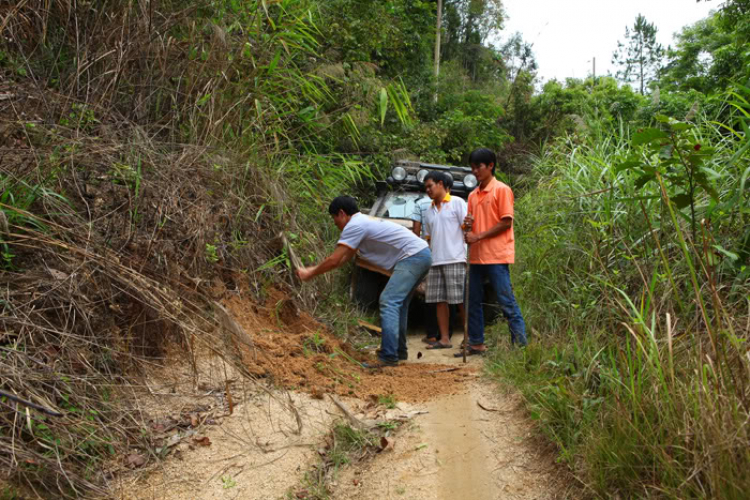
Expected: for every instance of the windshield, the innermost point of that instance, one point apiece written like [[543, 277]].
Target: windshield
[[400, 205]]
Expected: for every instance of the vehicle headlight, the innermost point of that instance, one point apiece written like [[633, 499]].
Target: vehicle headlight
[[422, 174], [398, 174], [470, 181]]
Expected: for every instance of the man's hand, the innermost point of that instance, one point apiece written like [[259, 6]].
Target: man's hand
[[305, 273], [471, 238], [468, 222], [338, 258]]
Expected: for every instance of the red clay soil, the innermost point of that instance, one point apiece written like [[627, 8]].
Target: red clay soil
[[295, 351]]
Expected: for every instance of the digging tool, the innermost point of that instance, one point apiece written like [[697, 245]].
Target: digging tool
[[466, 293], [466, 309], [293, 258]]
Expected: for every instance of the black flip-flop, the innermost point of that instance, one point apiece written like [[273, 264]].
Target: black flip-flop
[[438, 345], [469, 352]]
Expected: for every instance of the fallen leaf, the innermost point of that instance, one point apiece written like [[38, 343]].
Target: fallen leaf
[[302, 494], [419, 355], [386, 443], [135, 460], [194, 420], [203, 441], [58, 275]]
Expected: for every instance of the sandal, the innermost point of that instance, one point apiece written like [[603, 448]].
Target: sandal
[[438, 345], [470, 352]]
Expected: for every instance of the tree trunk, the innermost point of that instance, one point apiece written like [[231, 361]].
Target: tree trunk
[[641, 62], [438, 29]]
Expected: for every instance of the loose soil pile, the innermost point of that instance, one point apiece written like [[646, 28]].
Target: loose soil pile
[[295, 351]]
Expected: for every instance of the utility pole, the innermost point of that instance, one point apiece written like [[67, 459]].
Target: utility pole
[[594, 71], [438, 29]]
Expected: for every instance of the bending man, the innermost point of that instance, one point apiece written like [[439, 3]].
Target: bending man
[[386, 245]]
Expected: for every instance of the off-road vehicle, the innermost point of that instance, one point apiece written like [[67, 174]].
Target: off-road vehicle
[[397, 197]]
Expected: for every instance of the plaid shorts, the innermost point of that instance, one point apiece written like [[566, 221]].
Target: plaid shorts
[[446, 283]]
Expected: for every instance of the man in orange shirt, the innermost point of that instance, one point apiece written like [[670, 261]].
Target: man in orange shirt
[[492, 248]]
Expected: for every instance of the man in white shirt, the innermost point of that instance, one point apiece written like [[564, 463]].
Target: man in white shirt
[[443, 228], [389, 246]]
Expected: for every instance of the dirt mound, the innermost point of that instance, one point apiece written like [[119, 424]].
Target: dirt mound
[[295, 351]]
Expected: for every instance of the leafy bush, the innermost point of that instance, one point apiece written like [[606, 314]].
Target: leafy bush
[[631, 279]]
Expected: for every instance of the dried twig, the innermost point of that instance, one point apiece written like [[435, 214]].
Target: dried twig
[[30, 404], [349, 415], [445, 370]]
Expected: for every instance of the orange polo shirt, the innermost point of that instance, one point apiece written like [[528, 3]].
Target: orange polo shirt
[[489, 206]]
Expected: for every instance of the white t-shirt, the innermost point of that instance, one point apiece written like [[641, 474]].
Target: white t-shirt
[[381, 242], [420, 207], [444, 229]]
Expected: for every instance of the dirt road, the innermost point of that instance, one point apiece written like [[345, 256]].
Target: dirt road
[[475, 444], [470, 441]]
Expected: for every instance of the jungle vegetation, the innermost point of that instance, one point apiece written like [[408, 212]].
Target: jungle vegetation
[[632, 224]]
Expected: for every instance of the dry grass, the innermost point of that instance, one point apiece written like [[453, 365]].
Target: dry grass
[[135, 145], [125, 262]]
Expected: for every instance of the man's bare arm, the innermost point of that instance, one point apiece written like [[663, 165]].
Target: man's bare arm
[[417, 228], [340, 256], [498, 228]]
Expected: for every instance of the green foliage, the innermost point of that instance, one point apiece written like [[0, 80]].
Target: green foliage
[[80, 117], [640, 57], [211, 254], [17, 199], [387, 400], [468, 25], [634, 392], [397, 36], [711, 55], [672, 155], [228, 482], [629, 219], [315, 343]]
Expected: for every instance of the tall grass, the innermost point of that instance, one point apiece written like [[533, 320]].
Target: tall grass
[[639, 365], [149, 142]]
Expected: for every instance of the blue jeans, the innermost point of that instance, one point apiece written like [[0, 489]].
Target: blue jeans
[[499, 277], [395, 299]]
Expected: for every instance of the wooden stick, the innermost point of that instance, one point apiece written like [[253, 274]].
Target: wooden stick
[[229, 397], [446, 370], [466, 306], [369, 326], [42, 409], [486, 408], [354, 420], [293, 258]]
